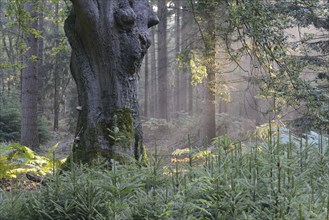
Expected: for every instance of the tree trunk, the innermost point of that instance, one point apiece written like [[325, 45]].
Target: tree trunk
[[41, 101], [109, 39], [208, 119], [162, 60], [29, 123], [208, 115], [146, 85], [186, 45], [154, 88], [177, 51], [56, 73], [188, 39], [190, 95]]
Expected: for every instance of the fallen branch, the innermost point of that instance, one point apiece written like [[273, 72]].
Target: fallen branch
[[35, 178]]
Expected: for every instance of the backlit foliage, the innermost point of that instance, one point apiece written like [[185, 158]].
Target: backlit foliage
[[17, 160]]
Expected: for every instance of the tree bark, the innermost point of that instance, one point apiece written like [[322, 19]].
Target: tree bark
[[177, 51], [154, 74], [162, 61], [190, 94], [146, 85], [56, 73], [41, 74], [29, 123], [109, 39], [186, 45]]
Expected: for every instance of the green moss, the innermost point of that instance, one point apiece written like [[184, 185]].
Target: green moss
[[122, 134], [109, 139], [118, 134], [122, 128]]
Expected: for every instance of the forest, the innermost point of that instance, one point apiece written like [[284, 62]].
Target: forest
[[167, 109]]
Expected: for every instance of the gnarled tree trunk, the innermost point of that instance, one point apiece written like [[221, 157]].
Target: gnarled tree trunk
[[109, 39]]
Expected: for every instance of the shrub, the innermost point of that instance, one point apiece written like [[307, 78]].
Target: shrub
[[43, 129], [16, 159], [9, 118], [227, 180]]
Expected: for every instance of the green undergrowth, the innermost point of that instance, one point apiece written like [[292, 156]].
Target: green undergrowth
[[267, 178], [16, 160]]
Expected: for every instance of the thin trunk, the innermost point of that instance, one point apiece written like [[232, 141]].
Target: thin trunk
[[56, 101], [2, 86], [146, 85], [190, 94], [162, 60], [41, 60], [177, 51], [184, 78], [154, 87], [7, 49], [56, 73], [185, 86]]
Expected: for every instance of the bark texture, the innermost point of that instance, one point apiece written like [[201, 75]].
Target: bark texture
[[162, 61], [40, 64], [56, 73], [146, 85], [29, 124], [109, 39]]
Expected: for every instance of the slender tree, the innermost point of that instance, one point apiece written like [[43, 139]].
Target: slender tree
[[190, 95], [188, 37], [162, 61], [177, 51], [146, 86], [56, 71], [154, 74], [40, 63]]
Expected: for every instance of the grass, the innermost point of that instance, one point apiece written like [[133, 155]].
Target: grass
[[266, 179]]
